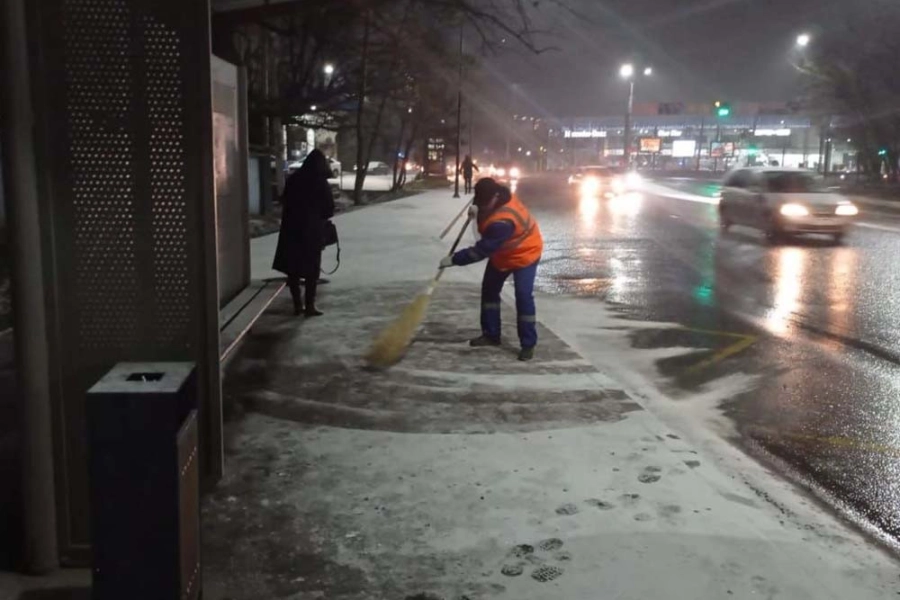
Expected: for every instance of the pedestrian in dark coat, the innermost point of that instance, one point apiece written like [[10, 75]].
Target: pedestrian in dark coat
[[307, 204], [468, 168]]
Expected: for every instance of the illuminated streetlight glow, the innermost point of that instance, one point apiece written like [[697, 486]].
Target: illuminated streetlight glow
[[648, 71], [803, 40], [627, 71], [329, 69]]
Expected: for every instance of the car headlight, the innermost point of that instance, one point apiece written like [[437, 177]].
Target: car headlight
[[617, 185], [846, 210], [590, 185], [515, 173], [794, 210], [633, 179], [501, 172]]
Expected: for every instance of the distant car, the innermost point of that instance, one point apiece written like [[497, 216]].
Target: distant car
[[783, 202], [505, 172], [603, 180]]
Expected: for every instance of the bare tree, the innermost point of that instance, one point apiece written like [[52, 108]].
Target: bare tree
[[851, 72]]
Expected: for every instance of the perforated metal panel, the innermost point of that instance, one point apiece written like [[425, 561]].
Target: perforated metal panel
[[127, 148], [99, 85], [167, 183]]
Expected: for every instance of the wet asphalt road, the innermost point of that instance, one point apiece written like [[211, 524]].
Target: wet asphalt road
[[816, 322]]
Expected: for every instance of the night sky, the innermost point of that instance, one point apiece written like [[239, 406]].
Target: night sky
[[700, 50]]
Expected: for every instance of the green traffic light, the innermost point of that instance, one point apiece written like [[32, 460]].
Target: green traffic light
[[724, 111], [882, 152]]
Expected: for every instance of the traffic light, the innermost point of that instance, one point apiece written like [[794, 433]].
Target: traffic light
[[723, 109], [882, 152]]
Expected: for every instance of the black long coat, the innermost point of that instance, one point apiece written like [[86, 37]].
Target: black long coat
[[307, 203]]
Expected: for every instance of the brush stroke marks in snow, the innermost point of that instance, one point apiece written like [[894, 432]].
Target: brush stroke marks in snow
[[310, 371]]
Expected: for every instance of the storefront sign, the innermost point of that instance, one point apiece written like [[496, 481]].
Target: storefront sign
[[651, 144], [684, 148], [584, 133], [772, 132]]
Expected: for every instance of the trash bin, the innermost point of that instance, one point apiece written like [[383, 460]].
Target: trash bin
[[144, 482]]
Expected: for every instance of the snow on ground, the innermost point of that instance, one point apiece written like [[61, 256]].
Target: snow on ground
[[653, 503]]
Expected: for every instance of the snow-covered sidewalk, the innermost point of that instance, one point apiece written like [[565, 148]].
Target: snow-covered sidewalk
[[464, 474]]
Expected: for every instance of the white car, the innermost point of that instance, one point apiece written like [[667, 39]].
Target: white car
[[332, 163], [783, 202]]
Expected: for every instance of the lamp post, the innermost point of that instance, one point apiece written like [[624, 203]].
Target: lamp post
[[627, 72], [459, 113]]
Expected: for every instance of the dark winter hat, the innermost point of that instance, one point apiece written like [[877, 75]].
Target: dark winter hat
[[487, 188]]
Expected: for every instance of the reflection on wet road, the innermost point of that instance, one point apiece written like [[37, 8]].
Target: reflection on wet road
[[816, 321]]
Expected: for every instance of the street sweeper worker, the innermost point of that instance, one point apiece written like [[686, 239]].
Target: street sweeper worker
[[512, 243]]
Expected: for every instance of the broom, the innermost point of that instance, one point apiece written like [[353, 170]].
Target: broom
[[455, 219], [390, 346]]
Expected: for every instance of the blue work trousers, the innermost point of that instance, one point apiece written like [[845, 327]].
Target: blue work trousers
[[492, 285]]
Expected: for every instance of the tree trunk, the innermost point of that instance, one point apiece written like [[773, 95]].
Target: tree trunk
[[277, 136], [395, 183], [362, 163], [410, 142]]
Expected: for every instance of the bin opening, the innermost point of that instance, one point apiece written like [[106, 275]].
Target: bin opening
[[145, 377]]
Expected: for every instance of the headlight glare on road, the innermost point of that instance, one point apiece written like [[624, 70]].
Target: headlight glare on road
[[501, 172], [846, 210], [633, 179], [794, 210], [618, 186], [515, 173], [590, 186]]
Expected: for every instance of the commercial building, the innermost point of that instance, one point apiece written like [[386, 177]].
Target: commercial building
[[679, 136]]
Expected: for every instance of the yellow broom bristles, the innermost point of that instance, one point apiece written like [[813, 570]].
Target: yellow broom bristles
[[391, 345]]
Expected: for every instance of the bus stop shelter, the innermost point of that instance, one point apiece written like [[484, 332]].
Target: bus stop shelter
[[124, 161]]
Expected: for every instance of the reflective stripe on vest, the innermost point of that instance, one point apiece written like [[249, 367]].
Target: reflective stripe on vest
[[525, 245]]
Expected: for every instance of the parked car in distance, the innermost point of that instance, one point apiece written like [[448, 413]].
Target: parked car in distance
[[333, 163]]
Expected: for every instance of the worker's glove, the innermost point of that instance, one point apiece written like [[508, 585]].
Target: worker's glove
[[447, 261], [473, 212]]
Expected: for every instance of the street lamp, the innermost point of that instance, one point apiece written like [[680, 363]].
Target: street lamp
[[329, 69], [626, 71], [803, 40]]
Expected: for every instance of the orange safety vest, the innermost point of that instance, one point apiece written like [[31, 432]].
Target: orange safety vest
[[526, 244]]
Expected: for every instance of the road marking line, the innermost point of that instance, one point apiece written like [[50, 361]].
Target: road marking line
[[879, 227], [743, 342], [838, 441]]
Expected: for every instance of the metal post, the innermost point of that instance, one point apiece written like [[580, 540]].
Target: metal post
[[40, 553], [718, 141], [806, 148], [700, 140], [627, 152], [471, 130], [459, 114]]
